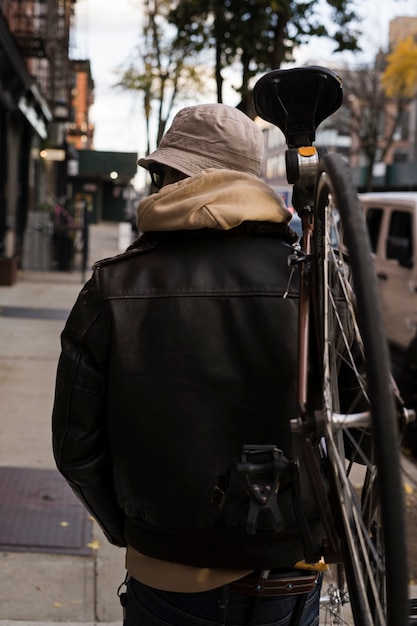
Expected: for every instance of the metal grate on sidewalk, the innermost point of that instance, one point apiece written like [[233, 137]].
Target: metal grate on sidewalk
[[40, 513]]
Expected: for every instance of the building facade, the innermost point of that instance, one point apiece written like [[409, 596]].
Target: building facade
[[81, 130], [35, 84]]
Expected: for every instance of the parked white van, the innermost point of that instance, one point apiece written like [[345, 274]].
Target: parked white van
[[392, 225]]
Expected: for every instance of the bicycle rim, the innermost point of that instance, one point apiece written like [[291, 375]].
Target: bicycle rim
[[358, 416]]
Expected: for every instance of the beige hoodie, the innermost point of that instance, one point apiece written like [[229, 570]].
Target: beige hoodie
[[219, 199]]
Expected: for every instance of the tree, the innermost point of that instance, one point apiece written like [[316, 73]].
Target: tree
[[365, 100], [171, 60], [259, 34], [399, 79], [162, 71]]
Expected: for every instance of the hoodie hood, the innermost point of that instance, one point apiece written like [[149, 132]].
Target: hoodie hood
[[219, 199]]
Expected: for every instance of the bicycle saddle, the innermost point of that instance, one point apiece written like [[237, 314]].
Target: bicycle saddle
[[298, 100]]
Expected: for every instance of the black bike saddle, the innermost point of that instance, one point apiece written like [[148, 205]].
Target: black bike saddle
[[298, 100]]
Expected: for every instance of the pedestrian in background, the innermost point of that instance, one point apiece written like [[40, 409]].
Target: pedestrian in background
[[63, 242]]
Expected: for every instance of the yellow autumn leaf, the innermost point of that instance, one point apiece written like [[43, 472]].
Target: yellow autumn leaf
[[94, 545], [320, 566], [409, 489]]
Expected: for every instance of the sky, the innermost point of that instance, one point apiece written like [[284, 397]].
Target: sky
[[106, 32]]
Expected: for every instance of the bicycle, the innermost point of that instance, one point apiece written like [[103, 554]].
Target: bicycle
[[350, 451]]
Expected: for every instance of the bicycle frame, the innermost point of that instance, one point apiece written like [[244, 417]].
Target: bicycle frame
[[305, 424]]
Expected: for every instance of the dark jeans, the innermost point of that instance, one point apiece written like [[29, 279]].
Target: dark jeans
[[219, 607]]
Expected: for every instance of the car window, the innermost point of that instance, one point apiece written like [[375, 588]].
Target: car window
[[400, 229], [373, 222]]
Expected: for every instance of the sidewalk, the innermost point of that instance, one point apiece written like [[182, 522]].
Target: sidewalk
[[41, 588], [44, 589]]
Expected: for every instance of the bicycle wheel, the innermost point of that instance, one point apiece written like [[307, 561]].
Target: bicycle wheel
[[358, 413]]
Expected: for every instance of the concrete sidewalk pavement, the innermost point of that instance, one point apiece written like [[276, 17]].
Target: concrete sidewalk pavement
[[45, 588]]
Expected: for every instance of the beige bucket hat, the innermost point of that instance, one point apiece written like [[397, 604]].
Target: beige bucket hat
[[210, 136]]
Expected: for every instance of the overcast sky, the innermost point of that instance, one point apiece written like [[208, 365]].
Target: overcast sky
[[106, 32]]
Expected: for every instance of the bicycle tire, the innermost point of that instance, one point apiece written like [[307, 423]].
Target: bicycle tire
[[363, 470]]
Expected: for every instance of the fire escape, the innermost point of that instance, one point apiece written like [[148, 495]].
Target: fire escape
[[41, 31]]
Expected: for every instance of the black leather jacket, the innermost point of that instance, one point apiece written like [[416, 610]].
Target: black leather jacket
[[176, 355]]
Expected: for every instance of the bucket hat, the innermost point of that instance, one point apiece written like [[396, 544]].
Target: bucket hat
[[210, 136]]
